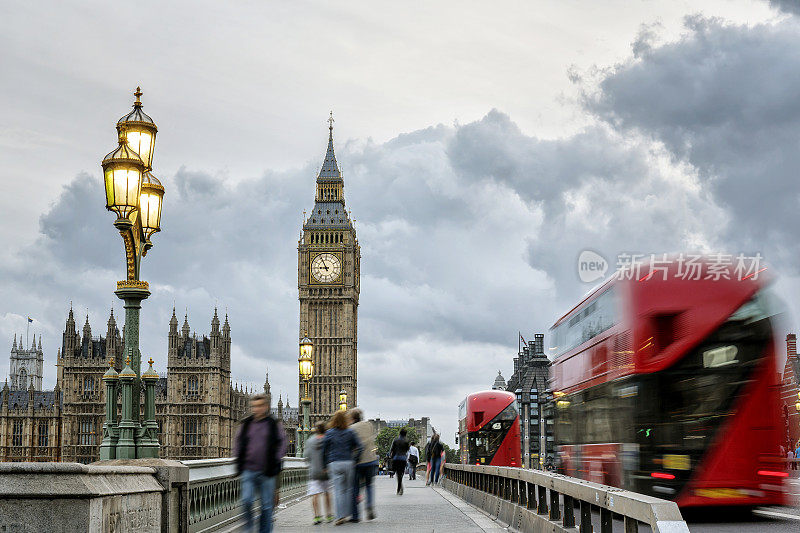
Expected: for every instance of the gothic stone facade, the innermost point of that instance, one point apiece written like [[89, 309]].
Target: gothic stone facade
[[197, 407], [328, 275], [530, 384]]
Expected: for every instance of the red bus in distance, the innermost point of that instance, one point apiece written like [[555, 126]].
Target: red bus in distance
[[670, 387], [489, 429]]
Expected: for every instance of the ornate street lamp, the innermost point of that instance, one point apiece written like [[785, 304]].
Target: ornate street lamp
[[343, 400], [306, 366], [135, 195]]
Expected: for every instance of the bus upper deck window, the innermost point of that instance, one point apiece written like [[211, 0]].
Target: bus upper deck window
[[477, 418]]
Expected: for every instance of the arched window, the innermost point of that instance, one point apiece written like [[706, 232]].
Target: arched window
[[191, 431], [193, 385], [22, 380], [88, 384]]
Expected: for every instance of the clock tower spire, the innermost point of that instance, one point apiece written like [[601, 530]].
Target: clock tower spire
[[328, 279]]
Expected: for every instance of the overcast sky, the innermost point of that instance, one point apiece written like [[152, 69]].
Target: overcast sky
[[484, 146]]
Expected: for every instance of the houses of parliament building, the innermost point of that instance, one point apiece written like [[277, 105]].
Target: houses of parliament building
[[197, 406]]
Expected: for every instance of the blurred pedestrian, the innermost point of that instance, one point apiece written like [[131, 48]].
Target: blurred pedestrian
[[428, 462], [413, 460], [366, 464], [399, 455], [318, 486], [435, 458], [259, 447], [341, 447]]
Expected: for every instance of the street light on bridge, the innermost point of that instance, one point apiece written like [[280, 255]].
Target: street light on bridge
[[306, 365], [135, 195], [343, 400]]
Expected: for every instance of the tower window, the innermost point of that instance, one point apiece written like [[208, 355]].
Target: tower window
[[86, 431], [16, 435], [43, 435], [191, 432]]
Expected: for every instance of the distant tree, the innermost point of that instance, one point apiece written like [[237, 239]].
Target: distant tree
[[385, 437]]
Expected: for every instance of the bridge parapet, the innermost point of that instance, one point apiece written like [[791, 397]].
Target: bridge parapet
[[214, 491], [533, 500]]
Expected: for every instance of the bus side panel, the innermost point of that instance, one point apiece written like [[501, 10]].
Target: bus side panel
[[510, 451], [748, 443]]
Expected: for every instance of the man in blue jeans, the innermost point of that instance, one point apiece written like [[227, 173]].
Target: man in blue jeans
[[259, 448]]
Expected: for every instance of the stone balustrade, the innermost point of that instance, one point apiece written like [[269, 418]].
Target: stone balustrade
[[142, 495]]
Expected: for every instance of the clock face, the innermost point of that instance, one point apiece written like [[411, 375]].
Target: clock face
[[326, 268]]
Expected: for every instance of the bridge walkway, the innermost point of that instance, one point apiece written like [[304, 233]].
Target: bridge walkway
[[420, 508]]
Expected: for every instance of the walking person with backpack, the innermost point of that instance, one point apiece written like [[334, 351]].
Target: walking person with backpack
[[259, 447], [399, 455], [341, 447], [434, 458], [318, 486], [366, 464]]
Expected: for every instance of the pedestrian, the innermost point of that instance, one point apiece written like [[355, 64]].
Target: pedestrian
[[796, 454], [318, 486], [341, 447], [399, 455], [428, 462], [259, 447], [435, 459], [413, 460], [366, 464]]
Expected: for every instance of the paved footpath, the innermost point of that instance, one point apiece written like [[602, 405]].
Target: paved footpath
[[419, 509]]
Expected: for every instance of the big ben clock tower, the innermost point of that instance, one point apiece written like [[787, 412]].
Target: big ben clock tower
[[328, 278]]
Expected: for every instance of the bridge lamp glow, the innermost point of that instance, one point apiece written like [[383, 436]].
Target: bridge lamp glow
[[343, 400], [304, 361], [140, 131], [150, 204], [122, 173]]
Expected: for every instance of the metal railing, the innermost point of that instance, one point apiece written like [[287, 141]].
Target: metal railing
[[214, 492], [532, 500]]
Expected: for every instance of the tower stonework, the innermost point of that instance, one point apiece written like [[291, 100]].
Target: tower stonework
[[328, 279]]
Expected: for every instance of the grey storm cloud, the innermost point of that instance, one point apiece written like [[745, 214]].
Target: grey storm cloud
[[724, 100], [469, 233], [787, 6]]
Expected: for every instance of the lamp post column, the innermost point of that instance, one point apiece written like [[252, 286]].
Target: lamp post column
[[132, 292], [305, 425]]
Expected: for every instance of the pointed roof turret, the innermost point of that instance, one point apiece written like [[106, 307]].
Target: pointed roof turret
[[226, 328], [87, 329], [330, 169], [40, 344], [111, 320], [215, 322], [14, 346], [33, 344], [185, 328], [173, 321], [499, 382]]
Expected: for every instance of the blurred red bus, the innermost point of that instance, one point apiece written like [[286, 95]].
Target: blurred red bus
[[489, 429], [670, 387]]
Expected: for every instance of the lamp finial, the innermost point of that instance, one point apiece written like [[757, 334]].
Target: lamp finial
[[138, 93]]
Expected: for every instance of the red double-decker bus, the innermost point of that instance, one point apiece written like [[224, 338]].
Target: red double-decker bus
[[670, 387], [489, 429]]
